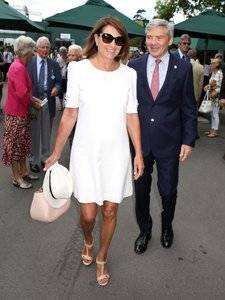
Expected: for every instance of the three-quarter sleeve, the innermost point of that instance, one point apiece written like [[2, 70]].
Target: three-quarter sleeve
[[132, 102], [72, 93], [19, 77]]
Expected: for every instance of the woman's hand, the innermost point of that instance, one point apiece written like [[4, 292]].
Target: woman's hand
[[138, 166], [222, 103], [36, 103], [206, 87], [53, 158]]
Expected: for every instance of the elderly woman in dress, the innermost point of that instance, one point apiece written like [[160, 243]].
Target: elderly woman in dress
[[74, 53], [17, 136], [101, 98]]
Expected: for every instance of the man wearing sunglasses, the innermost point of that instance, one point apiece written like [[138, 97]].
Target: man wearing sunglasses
[[183, 47], [168, 117]]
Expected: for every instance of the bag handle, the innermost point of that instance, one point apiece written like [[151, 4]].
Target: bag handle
[[206, 97]]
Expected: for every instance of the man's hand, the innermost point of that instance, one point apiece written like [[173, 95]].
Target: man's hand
[[54, 92], [185, 152], [138, 167]]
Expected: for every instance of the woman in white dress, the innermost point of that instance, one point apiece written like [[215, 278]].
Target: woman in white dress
[[217, 77], [101, 98]]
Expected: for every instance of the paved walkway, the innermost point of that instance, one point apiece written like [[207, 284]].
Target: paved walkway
[[42, 262]]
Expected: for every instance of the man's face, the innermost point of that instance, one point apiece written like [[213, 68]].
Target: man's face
[[184, 46], [43, 49], [158, 41], [63, 54]]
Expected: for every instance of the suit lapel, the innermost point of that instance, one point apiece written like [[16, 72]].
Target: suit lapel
[[169, 77], [48, 73], [35, 70], [144, 78]]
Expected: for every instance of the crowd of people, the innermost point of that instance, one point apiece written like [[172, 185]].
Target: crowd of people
[[208, 80], [121, 114]]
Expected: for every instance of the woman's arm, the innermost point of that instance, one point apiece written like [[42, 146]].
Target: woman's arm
[[66, 125], [133, 127]]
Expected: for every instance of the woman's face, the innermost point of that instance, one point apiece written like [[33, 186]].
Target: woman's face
[[108, 46], [214, 66], [73, 55]]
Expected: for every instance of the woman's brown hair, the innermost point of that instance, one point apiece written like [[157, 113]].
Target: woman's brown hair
[[91, 49]]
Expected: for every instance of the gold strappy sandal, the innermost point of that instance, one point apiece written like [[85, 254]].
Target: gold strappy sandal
[[86, 258], [102, 279]]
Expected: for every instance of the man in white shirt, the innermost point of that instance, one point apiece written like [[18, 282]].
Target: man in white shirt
[[46, 84]]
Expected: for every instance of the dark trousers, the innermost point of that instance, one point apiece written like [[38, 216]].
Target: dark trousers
[[167, 169], [63, 88], [5, 70]]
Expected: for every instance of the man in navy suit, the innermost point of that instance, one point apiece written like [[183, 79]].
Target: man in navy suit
[[46, 84], [168, 119], [183, 47]]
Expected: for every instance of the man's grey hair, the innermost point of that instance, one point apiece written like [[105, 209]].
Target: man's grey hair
[[62, 49], [162, 23], [219, 55], [24, 45], [185, 36], [41, 40]]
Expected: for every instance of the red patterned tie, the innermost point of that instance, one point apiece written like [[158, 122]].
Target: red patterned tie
[[155, 79]]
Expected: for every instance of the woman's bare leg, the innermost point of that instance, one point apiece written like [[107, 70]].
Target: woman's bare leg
[[23, 167], [109, 219], [16, 171], [88, 214]]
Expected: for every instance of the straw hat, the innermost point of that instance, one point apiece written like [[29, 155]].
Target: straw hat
[[57, 185]]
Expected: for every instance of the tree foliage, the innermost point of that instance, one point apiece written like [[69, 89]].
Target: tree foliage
[[167, 8], [139, 18]]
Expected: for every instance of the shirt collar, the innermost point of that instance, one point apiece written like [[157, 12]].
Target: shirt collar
[[39, 59], [180, 53], [164, 59]]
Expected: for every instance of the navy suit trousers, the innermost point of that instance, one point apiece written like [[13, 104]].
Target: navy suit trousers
[[167, 169]]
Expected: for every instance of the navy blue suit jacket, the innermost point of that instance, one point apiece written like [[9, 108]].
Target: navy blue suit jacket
[[170, 120], [176, 54], [53, 80]]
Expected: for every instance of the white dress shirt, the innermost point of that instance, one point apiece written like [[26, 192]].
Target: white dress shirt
[[39, 60]]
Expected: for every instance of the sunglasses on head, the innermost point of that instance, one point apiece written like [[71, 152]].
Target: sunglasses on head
[[107, 38]]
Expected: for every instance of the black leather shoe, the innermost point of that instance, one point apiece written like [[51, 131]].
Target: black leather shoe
[[35, 168], [167, 237], [141, 242]]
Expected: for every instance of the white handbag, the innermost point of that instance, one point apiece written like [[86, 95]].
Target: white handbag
[[41, 210], [206, 105]]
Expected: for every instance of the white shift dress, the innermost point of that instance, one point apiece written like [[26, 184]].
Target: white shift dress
[[100, 160]]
